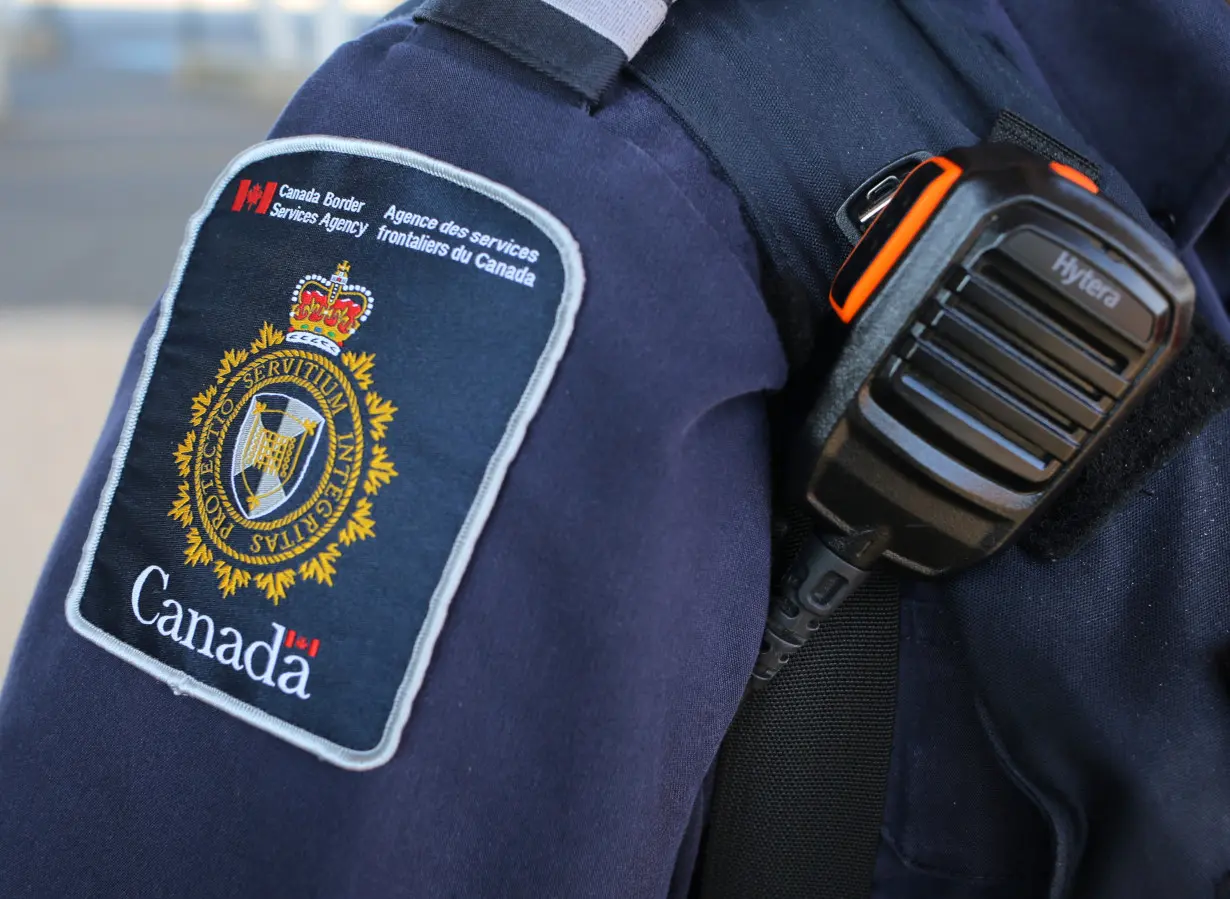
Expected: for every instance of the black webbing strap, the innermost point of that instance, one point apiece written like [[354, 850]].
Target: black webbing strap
[[579, 43], [1010, 128], [799, 790]]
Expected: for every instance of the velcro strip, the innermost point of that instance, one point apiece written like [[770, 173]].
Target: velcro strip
[[1191, 391]]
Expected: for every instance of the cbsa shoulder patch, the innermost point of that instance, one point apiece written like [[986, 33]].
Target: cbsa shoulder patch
[[353, 343]]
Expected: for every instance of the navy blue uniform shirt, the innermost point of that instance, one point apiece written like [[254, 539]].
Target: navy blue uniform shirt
[[598, 644]]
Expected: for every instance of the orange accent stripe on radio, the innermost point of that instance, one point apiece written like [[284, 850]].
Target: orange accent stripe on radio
[[1076, 177], [913, 222]]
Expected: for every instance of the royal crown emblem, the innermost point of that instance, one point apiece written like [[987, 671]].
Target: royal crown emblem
[[325, 313], [287, 448]]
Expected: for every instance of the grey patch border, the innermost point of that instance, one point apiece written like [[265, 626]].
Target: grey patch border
[[471, 528]]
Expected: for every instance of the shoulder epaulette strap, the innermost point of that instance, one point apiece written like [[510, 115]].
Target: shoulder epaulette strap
[[580, 43]]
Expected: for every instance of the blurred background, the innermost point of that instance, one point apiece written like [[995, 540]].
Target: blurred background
[[115, 118]]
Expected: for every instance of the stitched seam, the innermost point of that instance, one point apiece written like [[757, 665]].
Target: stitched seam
[[939, 871]]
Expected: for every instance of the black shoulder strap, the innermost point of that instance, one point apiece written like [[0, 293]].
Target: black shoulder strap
[[579, 43], [799, 790]]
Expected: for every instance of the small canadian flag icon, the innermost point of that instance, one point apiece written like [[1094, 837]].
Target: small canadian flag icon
[[254, 197], [298, 641]]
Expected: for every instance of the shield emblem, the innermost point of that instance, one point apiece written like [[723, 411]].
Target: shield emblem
[[272, 450]]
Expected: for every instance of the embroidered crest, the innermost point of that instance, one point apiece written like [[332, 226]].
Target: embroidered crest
[[285, 453], [280, 535]]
